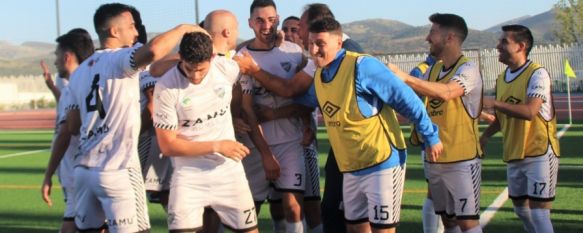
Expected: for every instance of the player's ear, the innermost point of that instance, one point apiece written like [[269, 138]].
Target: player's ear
[[113, 32], [226, 33], [69, 56]]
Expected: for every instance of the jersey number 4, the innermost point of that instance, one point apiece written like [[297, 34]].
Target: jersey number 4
[[93, 100]]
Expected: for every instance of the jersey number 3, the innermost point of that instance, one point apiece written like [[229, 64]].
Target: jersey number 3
[[93, 100]]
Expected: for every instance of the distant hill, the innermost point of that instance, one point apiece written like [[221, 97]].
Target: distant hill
[[390, 36], [540, 25], [374, 35]]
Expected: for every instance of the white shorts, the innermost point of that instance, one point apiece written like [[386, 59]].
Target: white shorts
[[455, 188], [292, 174], [156, 168], [226, 191], [375, 197], [312, 191], [69, 196], [113, 197], [533, 178]]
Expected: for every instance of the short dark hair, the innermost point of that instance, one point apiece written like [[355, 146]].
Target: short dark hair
[[452, 22], [105, 13], [520, 33], [291, 18], [78, 41], [326, 25], [142, 34], [195, 47], [261, 4], [317, 11]]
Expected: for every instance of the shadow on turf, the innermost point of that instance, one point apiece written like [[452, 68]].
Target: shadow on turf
[[22, 170], [28, 222]]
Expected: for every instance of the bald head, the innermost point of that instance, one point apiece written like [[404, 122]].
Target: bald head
[[219, 20]]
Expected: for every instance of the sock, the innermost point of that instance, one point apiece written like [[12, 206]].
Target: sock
[[476, 229], [524, 214], [430, 219], [294, 227], [541, 219], [318, 229], [279, 226], [455, 229]]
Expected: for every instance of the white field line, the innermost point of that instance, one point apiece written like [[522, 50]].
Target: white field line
[[22, 153], [489, 213]]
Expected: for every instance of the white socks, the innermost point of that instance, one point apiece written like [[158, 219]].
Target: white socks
[[524, 214], [294, 227], [541, 219], [431, 221]]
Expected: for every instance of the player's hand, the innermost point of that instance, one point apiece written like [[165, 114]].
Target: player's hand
[[308, 136], [432, 153], [46, 72], [271, 167], [246, 63], [46, 191], [231, 149], [264, 113], [240, 126]]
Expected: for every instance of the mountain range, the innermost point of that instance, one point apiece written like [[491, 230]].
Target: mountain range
[[376, 36]]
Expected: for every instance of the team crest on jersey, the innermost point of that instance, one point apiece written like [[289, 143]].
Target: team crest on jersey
[[186, 101], [220, 91], [286, 66]]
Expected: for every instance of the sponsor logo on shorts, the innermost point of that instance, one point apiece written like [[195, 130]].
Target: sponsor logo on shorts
[[120, 222]]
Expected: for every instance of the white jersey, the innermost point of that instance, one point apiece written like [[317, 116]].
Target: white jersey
[[283, 62], [146, 81], [539, 86], [105, 89], [468, 76], [65, 169], [199, 112]]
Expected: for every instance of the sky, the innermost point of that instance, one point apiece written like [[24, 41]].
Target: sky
[[35, 20]]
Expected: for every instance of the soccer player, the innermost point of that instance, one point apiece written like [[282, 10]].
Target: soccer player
[[301, 88], [105, 112], [282, 135], [431, 221], [290, 28], [194, 126], [72, 49], [358, 96], [525, 115], [453, 93]]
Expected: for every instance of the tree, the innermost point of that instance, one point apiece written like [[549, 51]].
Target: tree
[[569, 18]]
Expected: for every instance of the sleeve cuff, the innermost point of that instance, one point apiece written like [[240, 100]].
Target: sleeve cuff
[[433, 137]]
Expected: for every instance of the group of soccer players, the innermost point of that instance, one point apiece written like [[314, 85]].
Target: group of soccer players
[[212, 132]]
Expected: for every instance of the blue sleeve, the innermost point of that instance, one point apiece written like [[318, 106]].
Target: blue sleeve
[[308, 99], [375, 79]]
